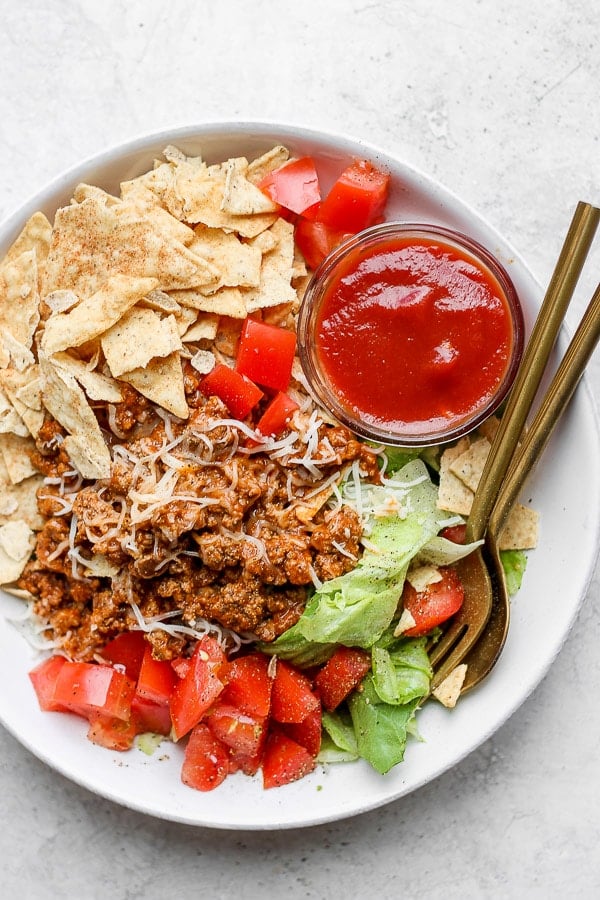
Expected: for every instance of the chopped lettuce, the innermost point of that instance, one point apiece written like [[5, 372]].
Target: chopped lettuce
[[381, 729], [400, 518], [402, 672], [514, 563]]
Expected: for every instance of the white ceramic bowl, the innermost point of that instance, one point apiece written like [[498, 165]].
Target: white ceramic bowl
[[543, 612]]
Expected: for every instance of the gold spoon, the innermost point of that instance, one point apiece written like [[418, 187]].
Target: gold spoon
[[484, 654], [480, 572]]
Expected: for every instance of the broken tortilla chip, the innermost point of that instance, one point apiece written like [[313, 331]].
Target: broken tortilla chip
[[16, 453], [139, 336], [17, 541], [162, 382]]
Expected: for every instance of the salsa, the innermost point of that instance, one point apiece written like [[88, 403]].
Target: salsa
[[414, 335]]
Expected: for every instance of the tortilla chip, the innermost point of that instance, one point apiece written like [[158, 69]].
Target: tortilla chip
[[228, 301], [238, 263], [67, 403], [95, 385], [15, 452], [453, 494], [24, 390], [160, 301], [19, 501], [204, 329], [276, 272], [470, 464], [262, 166], [92, 241], [203, 361], [10, 421], [422, 576], [162, 382], [13, 352], [240, 196], [449, 690], [95, 314], [61, 301], [19, 297], [521, 529], [16, 545], [35, 236], [139, 336]]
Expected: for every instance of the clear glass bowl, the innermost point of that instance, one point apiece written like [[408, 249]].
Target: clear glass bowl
[[341, 263]]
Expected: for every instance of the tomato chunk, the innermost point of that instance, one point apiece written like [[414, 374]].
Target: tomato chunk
[[148, 716], [277, 415], [294, 186], [127, 650], [341, 674], [238, 393], [292, 699], [206, 760], [88, 688], [306, 733], [195, 693], [266, 354], [284, 760], [455, 533], [315, 240], [43, 679], [249, 685], [156, 679], [357, 199], [243, 733], [114, 734], [432, 606]]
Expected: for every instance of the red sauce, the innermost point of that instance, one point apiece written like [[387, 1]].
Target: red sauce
[[413, 335]]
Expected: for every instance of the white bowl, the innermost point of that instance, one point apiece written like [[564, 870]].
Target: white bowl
[[555, 583]]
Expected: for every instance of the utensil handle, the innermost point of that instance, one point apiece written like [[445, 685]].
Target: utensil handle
[[556, 300], [554, 403]]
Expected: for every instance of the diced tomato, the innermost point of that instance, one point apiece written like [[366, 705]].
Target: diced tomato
[[149, 716], [455, 533], [357, 199], [249, 685], [306, 733], [432, 606], [294, 186], [195, 693], [126, 649], [238, 393], [181, 666], [243, 733], [241, 762], [88, 688], [292, 699], [115, 734], [277, 415], [315, 240], [266, 354], [43, 679], [341, 674], [156, 680], [284, 760], [206, 760]]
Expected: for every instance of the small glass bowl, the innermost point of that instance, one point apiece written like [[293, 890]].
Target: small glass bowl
[[338, 262]]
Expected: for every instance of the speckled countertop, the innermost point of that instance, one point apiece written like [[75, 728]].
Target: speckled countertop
[[500, 103]]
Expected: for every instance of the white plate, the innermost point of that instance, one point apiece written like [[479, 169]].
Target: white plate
[[556, 580]]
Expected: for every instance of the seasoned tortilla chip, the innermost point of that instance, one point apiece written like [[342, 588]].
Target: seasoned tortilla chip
[[16, 544], [521, 529], [19, 297], [203, 361], [67, 403], [449, 690], [139, 336], [263, 165], [228, 301], [95, 314], [238, 263], [162, 382], [204, 329], [34, 236], [13, 352], [19, 501], [453, 494], [92, 241], [470, 464], [240, 196], [15, 452], [96, 385], [276, 272], [10, 421], [24, 390]]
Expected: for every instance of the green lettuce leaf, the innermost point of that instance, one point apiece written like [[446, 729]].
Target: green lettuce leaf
[[401, 673], [514, 563], [340, 745], [381, 729], [400, 517]]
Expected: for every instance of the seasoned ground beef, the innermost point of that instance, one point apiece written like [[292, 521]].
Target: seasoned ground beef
[[196, 519]]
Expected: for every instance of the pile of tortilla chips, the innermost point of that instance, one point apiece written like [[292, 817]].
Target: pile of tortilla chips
[[121, 290]]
